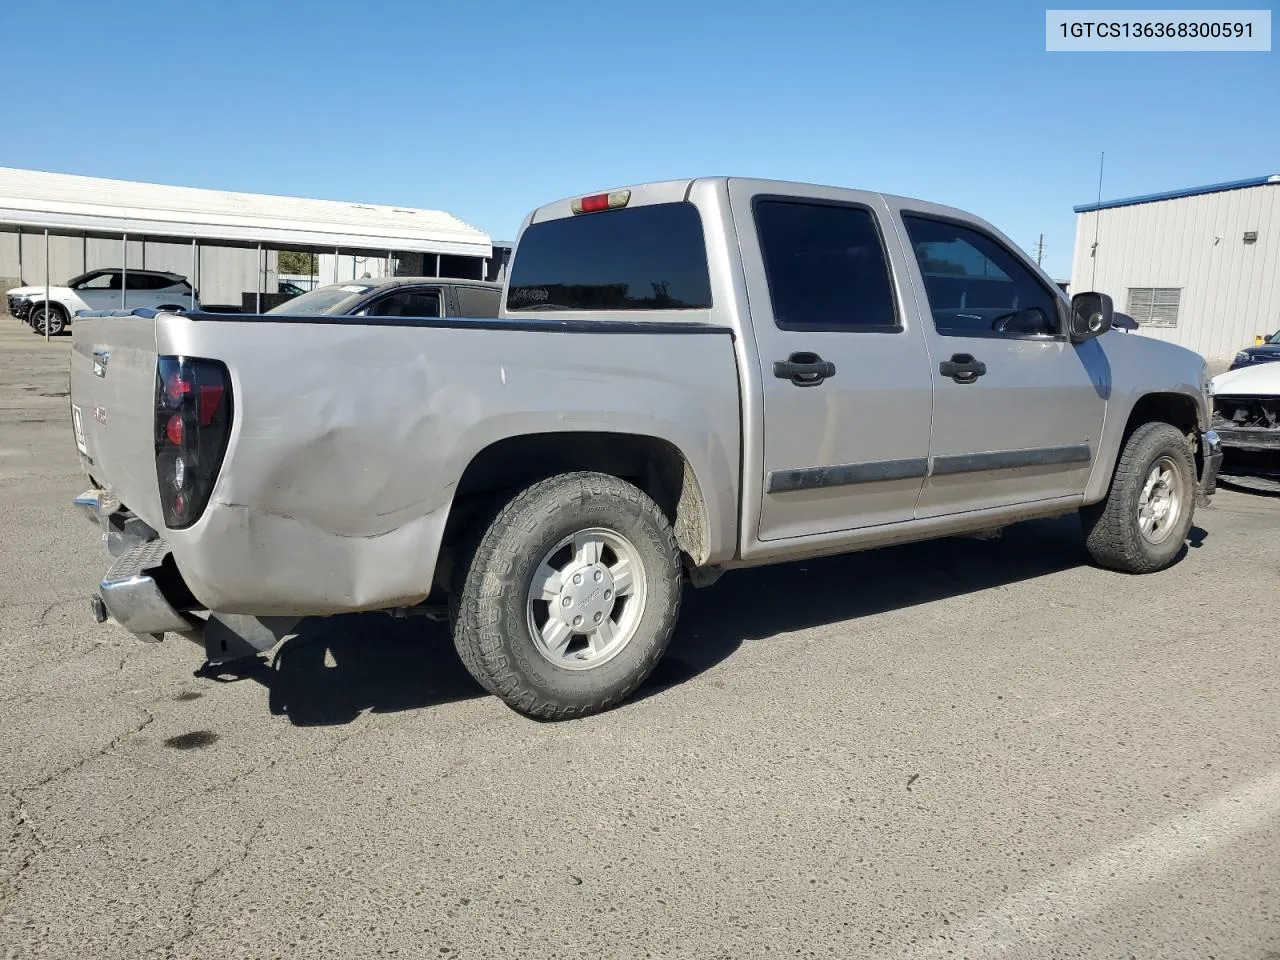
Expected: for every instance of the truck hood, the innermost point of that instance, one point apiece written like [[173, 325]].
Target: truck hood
[[1260, 381]]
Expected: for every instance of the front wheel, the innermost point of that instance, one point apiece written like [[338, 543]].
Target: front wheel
[[50, 315], [1141, 526], [569, 598]]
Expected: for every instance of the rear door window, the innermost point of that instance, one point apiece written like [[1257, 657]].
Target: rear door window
[[639, 258], [478, 301], [146, 281], [825, 266]]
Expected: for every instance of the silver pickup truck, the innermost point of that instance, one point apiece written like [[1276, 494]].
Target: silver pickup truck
[[686, 377]]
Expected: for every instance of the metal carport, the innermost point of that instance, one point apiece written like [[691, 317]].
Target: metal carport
[[55, 204]]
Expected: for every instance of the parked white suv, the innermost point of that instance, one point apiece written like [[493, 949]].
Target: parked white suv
[[112, 288]]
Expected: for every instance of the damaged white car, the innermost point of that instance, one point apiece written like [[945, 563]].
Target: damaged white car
[[1246, 416]]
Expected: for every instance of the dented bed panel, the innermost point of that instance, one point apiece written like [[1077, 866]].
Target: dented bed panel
[[349, 440]]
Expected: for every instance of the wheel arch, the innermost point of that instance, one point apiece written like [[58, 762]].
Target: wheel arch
[[655, 465], [1176, 409], [36, 305], [1165, 406]]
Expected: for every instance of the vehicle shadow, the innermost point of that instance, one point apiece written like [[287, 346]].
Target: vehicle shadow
[[753, 605], [336, 668], [1258, 486]]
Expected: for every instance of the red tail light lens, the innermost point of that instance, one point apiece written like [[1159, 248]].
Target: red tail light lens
[[193, 424], [176, 387]]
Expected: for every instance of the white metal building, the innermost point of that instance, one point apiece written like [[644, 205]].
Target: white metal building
[[1197, 267], [225, 243]]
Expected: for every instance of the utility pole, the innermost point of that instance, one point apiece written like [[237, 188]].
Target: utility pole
[[1040, 250], [1097, 215]]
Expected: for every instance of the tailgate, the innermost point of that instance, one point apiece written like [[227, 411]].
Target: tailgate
[[113, 383]]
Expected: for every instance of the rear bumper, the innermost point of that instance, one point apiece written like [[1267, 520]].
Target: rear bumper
[[133, 592], [133, 598], [144, 592], [121, 530]]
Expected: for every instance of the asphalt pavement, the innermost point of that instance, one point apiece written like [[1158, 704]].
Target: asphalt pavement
[[952, 749]]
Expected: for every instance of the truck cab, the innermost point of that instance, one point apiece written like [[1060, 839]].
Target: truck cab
[[902, 362]]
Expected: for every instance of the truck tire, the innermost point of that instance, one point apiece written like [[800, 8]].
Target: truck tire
[[57, 318], [468, 653], [1141, 525], [569, 597]]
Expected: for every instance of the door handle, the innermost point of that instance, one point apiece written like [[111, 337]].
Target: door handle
[[804, 369], [962, 368]]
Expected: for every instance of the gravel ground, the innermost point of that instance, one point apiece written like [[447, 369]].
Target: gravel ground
[[961, 749]]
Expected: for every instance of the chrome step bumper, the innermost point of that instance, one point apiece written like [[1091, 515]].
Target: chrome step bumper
[[131, 596]]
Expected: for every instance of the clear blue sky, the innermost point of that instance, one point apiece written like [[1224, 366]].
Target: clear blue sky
[[486, 109]]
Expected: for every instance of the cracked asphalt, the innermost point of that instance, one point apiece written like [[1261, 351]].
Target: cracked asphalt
[[960, 749]]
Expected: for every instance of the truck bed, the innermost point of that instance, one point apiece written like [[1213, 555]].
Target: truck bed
[[350, 435]]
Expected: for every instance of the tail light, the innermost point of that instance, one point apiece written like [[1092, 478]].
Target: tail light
[[613, 200], [193, 422]]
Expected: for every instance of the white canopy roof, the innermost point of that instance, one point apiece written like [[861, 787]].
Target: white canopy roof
[[64, 203]]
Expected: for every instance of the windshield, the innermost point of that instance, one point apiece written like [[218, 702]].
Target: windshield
[[332, 299], [1274, 338]]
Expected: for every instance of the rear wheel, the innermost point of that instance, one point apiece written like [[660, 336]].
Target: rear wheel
[[569, 598], [48, 314], [1141, 526]]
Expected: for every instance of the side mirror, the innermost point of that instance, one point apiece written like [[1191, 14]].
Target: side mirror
[[1091, 315]]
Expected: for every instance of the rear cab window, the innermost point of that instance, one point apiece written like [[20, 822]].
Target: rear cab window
[[650, 257]]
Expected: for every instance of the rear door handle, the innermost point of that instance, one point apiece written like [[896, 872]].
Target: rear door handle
[[962, 368], [804, 369]]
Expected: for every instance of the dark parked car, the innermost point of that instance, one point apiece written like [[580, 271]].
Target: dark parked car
[[398, 297], [1266, 351]]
